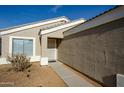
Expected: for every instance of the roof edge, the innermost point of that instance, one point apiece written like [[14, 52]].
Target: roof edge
[[98, 20], [72, 23], [36, 22], [20, 28]]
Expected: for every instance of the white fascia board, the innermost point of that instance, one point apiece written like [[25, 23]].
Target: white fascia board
[[100, 20], [33, 25], [63, 26]]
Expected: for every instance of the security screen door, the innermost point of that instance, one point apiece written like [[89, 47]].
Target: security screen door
[[52, 49], [22, 46]]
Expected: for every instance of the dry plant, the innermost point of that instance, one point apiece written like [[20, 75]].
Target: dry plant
[[19, 62]]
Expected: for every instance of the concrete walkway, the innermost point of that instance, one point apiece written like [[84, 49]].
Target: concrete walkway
[[69, 77]]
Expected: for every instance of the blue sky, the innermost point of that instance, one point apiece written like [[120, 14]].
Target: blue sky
[[17, 15]]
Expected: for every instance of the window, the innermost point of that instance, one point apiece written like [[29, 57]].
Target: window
[[22, 46]]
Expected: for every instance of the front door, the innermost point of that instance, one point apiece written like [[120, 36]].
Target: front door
[[52, 49]]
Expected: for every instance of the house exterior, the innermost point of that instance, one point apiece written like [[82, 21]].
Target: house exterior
[[37, 40], [96, 47]]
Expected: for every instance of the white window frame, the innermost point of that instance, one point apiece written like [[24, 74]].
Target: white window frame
[[18, 37]]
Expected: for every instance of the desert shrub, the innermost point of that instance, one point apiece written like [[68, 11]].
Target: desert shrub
[[19, 62]]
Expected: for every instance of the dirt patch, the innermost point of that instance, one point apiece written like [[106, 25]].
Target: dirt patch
[[35, 76]]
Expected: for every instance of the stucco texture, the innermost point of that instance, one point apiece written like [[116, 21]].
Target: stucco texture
[[97, 52], [32, 32], [26, 33]]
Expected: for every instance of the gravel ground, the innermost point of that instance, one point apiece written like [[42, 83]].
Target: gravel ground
[[38, 77]]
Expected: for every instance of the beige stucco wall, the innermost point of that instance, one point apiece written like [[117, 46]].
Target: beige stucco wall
[[32, 32], [26, 33], [58, 33], [44, 39], [97, 52]]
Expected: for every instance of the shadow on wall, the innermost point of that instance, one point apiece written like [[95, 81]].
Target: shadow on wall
[[96, 52], [110, 80]]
